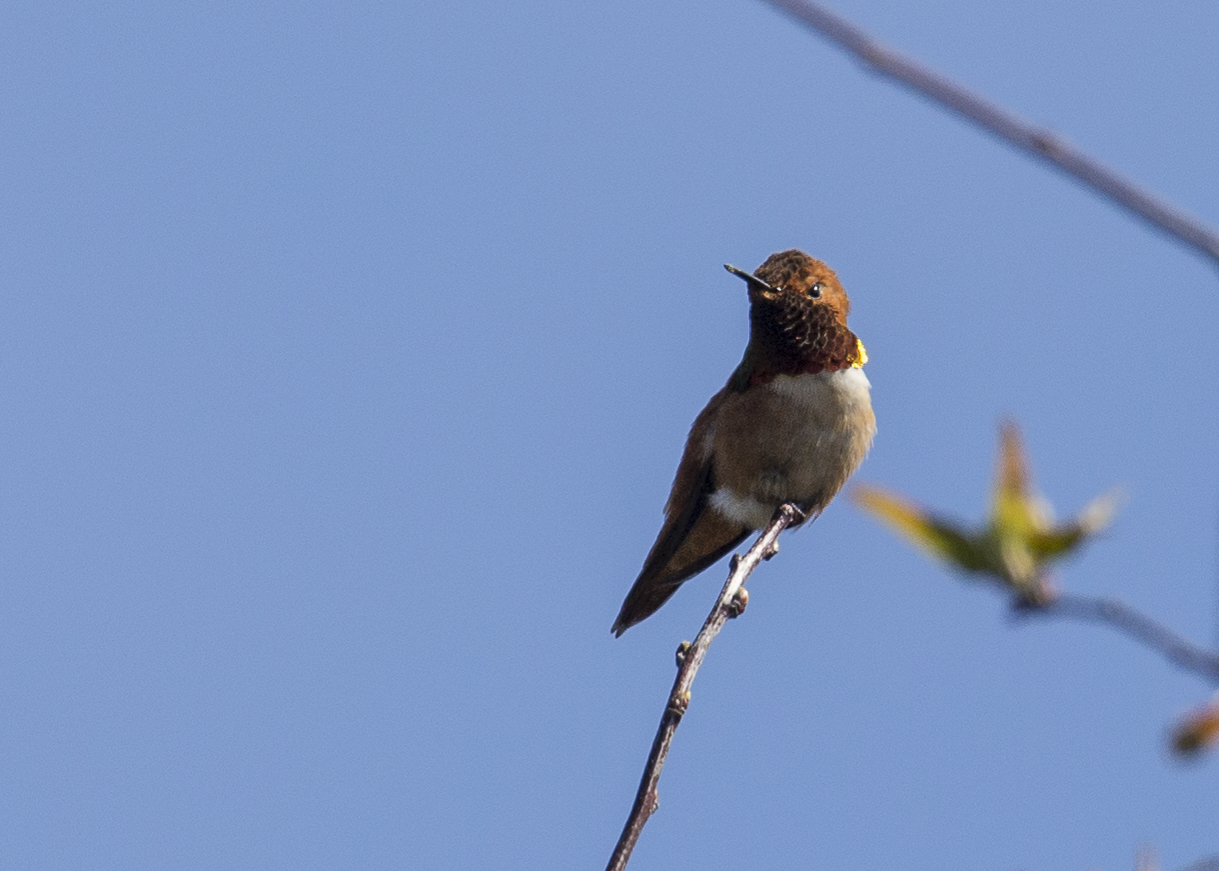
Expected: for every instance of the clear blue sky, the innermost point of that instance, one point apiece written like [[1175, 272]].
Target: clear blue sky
[[347, 355]]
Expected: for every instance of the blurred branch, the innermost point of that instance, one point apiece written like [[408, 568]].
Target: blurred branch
[[1015, 547], [1134, 623], [1038, 142], [730, 603], [1211, 863]]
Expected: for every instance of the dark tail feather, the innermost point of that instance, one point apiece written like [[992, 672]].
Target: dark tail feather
[[665, 570], [644, 600]]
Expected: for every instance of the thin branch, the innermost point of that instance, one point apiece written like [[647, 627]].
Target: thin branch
[[689, 657], [1134, 623], [1038, 142]]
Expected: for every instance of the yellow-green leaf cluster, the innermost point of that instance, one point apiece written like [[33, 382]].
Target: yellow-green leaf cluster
[[1018, 541]]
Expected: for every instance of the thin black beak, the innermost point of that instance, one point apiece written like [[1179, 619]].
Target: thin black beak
[[750, 278]]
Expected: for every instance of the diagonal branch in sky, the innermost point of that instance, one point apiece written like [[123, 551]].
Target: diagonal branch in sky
[[1026, 137], [729, 604]]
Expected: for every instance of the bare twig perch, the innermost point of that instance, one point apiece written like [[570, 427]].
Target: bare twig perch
[[1038, 142], [1134, 623], [690, 656]]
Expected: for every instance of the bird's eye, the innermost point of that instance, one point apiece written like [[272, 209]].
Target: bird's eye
[[815, 290]]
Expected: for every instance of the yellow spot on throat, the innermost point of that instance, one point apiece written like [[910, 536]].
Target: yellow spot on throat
[[861, 355]]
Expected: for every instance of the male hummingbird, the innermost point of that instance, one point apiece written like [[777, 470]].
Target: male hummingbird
[[791, 425]]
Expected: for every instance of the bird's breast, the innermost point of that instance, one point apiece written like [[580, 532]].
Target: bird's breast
[[796, 438]]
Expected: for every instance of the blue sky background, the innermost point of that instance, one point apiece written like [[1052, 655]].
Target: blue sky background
[[348, 351]]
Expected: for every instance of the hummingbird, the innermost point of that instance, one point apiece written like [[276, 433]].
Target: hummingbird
[[791, 425]]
